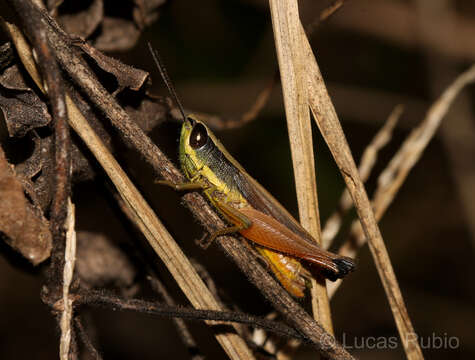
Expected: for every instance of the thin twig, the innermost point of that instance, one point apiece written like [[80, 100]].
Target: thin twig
[[182, 329], [256, 108], [69, 261], [329, 125], [85, 339], [208, 279], [392, 178], [285, 22], [325, 14], [102, 299], [218, 123], [368, 160]]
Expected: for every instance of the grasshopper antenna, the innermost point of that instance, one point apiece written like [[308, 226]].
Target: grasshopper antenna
[[166, 78]]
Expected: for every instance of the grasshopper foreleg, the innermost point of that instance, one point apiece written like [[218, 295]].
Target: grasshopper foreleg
[[193, 184], [181, 186]]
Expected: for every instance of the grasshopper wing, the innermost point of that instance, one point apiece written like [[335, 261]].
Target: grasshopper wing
[[268, 232]]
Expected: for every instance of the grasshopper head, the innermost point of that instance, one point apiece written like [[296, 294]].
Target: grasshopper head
[[193, 141]]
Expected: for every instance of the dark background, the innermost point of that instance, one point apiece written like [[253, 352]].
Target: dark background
[[373, 56]]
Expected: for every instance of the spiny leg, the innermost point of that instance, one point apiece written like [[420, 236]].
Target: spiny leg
[[233, 215], [193, 184], [206, 241], [181, 186]]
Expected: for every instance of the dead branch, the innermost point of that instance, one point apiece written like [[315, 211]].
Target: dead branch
[[180, 325], [102, 299], [85, 338]]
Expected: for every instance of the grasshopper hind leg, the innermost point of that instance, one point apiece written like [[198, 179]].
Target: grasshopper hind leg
[[208, 239], [239, 220]]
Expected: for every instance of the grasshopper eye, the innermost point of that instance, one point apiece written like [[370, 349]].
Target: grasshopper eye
[[199, 136]]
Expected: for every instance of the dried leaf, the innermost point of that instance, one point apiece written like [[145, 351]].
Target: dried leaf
[[109, 28], [127, 76], [83, 22], [33, 165], [22, 108], [148, 114], [26, 230], [117, 35], [37, 171], [43, 184]]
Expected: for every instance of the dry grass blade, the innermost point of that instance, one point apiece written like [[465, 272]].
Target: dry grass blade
[[158, 237], [392, 178], [291, 56], [368, 160], [329, 125], [69, 261], [394, 175]]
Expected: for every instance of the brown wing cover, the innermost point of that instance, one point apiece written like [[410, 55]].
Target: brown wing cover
[[260, 199], [268, 232]]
